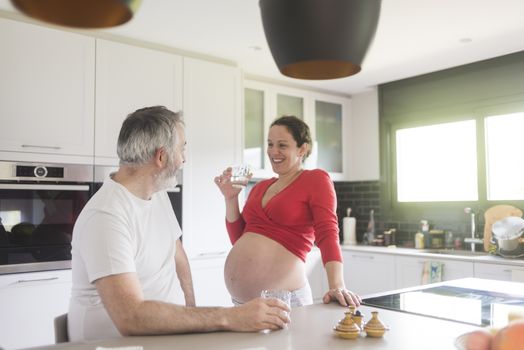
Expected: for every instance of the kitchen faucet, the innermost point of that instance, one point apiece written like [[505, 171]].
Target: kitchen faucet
[[473, 239]]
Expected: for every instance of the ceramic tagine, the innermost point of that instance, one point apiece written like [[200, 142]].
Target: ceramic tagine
[[357, 318], [346, 327], [374, 327]]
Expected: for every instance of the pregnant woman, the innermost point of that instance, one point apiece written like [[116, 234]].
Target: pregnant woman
[[281, 220]]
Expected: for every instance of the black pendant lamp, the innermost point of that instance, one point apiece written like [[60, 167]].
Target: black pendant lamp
[[319, 39], [80, 13]]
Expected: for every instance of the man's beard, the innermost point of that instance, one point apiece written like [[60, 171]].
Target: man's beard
[[167, 179]]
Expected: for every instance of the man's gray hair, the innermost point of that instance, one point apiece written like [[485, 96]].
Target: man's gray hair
[[145, 131]]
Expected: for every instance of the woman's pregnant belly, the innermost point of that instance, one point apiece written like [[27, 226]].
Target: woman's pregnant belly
[[256, 263]]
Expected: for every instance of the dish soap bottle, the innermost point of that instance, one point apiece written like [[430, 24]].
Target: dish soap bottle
[[419, 240], [371, 227], [425, 232]]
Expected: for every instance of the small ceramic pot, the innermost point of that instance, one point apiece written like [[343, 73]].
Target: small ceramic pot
[[346, 328], [374, 327]]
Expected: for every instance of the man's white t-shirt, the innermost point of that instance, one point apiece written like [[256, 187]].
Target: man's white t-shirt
[[115, 233]]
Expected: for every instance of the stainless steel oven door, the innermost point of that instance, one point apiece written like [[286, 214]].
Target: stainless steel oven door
[[36, 224], [37, 217]]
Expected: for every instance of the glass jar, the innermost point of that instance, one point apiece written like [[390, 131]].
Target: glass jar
[[436, 239]]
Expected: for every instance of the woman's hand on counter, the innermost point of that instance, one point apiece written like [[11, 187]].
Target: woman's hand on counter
[[343, 296]]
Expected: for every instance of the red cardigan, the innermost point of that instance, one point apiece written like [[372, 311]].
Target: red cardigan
[[301, 214]]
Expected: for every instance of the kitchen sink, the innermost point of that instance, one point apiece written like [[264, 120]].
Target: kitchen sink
[[454, 252]]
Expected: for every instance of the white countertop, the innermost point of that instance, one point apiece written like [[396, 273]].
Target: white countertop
[[486, 258], [310, 328]]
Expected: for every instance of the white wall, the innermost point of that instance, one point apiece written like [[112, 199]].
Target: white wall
[[364, 137]]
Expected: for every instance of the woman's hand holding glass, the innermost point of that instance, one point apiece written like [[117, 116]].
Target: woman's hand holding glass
[[233, 180]]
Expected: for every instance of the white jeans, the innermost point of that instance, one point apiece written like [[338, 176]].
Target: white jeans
[[299, 297]]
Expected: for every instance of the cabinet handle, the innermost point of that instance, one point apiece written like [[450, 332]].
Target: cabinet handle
[[37, 280], [39, 146], [507, 270], [38, 187], [363, 256], [211, 254]]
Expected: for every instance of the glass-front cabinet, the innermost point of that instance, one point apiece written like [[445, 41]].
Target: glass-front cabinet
[[290, 105], [327, 116], [328, 125], [254, 128]]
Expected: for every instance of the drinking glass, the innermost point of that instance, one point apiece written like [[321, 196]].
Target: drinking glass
[[240, 175], [280, 294]]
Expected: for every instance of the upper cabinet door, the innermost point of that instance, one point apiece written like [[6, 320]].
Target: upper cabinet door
[[128, 78], [326, 115], [290, 105], [46, 90], [330, 128], [254, 110]]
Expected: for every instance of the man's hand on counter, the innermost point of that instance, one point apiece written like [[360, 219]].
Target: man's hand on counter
[[258, 314]]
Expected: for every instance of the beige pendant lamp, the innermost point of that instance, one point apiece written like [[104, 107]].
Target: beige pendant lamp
[[80, 13], [319, 39]]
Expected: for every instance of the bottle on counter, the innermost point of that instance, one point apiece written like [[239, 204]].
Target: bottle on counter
[[419, 240], [424, 225], [389, 237], [437, 239], [448, 241], [371, 227]]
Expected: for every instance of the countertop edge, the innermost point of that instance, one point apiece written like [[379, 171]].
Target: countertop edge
[[489, 259]]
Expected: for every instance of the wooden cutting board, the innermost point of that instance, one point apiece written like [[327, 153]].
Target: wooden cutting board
[[494, 214]]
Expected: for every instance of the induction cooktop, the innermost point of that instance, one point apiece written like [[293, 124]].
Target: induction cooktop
[[471, 306]]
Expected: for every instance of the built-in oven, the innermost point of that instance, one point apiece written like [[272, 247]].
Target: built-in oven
[[175, 193], [39, 204]]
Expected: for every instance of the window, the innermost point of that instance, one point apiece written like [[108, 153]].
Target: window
[[437, 163], [478, 170], [504, 160], [254, 128], [440, 162]]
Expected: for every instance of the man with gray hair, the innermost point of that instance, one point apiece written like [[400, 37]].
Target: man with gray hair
[[127, 258]]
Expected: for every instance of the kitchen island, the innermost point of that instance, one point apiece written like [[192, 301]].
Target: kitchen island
[[311, 327]]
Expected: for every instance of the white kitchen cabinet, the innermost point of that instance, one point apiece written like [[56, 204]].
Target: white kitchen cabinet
[[499, 272], [208, 281], [364, 158], [367, 273], [29, 304], [46, 91], [316, 275], [328, 117], [213, 132], [128, 78], [409, 270]]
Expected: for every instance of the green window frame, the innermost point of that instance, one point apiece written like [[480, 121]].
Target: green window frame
[[416, 210]]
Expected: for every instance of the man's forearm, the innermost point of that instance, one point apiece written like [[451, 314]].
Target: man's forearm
[[183, 272], [154, 317]]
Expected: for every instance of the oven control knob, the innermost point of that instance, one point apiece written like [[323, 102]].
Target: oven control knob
[[40, 171]]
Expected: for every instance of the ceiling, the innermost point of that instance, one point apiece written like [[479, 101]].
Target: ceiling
[[413, 37]]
